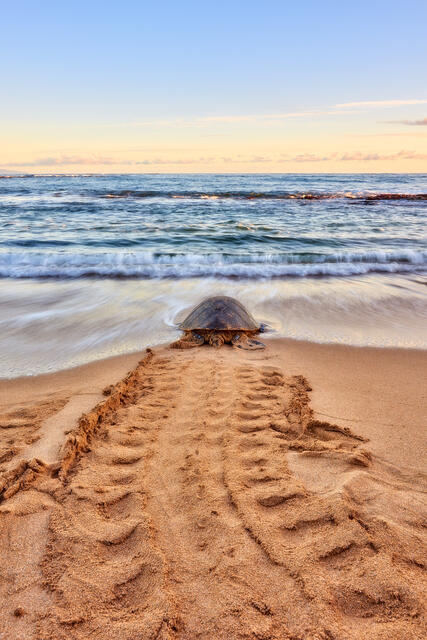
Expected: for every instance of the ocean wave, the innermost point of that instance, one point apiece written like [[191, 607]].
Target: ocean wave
[[252, 266], [252, 195], [364, 195]]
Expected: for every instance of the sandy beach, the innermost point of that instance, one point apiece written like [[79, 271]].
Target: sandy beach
[[213, 321], [216, 494]]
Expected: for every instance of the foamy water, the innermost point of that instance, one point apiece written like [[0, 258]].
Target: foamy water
[[92, 266], [52, 324]]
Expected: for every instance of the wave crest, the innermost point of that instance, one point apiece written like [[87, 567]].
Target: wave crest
[[253, 195], [252, 266]]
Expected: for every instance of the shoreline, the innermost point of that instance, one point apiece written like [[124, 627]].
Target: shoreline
[[122, 358]]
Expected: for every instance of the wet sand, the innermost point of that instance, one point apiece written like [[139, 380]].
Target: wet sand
[[216, 494]]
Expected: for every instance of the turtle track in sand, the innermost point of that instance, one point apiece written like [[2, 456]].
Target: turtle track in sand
[[22, 424], [203, 500]]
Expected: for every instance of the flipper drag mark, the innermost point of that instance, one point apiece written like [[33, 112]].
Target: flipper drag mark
[[203, 499]]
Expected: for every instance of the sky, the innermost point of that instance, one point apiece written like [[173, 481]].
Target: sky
[[236, 86]]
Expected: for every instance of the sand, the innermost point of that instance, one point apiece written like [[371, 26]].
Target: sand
[[216, 494]]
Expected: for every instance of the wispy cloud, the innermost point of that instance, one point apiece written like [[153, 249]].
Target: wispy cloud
[[343, 108], [59, 161], [416, 123], [204, 121], [380, 103], [306, 157], [358, 157], [260, 117], [302, 158], [70, 160], [180, 161]]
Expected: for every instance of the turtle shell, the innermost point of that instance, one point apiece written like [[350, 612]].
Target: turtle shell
[[222, 313]]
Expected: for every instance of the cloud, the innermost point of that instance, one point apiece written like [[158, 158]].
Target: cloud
[[259, 117], [344, 108], [160, 161], [307, 157], [380, 103], [301, 158], [203, 121], [358, 157], [416, 123], [64, 160], [397, 134]]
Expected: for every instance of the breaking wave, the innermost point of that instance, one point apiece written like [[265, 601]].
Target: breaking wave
[[363, 195], [252, 195], [251, 266]]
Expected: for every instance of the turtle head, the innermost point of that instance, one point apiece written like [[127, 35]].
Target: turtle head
[[216, 339]]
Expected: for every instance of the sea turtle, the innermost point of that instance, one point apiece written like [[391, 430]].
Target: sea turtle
[[217, 320]]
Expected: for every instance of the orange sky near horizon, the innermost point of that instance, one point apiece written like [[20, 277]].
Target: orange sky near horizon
[[369, 136]]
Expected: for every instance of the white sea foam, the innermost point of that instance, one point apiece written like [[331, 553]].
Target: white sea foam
[[151, 265]]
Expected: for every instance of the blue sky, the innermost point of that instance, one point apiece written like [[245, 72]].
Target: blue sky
[[213, 86]]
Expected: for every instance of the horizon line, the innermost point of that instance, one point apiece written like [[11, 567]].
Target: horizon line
[[223, 173]]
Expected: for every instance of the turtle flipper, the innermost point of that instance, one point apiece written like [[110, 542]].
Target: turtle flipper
[[241, 341], [188, 341]]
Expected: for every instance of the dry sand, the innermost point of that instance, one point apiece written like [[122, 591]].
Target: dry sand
[[216, 494]]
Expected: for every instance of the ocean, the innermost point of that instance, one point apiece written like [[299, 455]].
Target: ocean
[[93, 266]]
